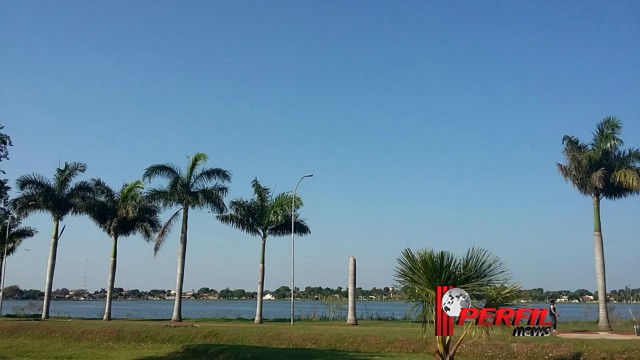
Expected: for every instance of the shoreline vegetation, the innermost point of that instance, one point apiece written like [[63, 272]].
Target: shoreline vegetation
[[241, 339], [317, 310], [536, 295]]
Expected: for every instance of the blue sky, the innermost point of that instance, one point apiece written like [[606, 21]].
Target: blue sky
[[426, 124]]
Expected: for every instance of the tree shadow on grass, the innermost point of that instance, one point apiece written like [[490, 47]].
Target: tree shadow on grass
[[240, 352], [575, 356]]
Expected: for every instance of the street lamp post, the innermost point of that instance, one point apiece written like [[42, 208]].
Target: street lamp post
[[4, 256], [293, 211]]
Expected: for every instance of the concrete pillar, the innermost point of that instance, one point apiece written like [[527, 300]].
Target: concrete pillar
[[351, 317]]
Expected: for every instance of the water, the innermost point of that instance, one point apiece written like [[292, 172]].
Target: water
[[278, 309], [231, 309]]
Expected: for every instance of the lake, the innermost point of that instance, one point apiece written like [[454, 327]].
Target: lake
[[231, 309], [279, 309]]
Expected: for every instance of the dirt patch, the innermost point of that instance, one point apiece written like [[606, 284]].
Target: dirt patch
[[598, 335]]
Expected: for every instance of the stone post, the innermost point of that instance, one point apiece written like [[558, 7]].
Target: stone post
[[351, 317]]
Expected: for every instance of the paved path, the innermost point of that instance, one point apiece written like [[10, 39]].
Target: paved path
[[598, 335]]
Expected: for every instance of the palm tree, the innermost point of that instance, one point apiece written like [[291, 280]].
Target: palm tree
[[264, 215], [422, 271], [119, 214], [601, 170], [58, 197], [17, 234], [198, 189]]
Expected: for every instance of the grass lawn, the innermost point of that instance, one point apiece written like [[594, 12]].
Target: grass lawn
[[241, 339]]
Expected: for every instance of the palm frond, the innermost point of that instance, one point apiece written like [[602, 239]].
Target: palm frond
[[601, 169], [101, 190], [167, 171], [265, 215], [25, 204], [283, 227], [162, 196], [65, 175], [17, 234], [78, 194], [627, 178], [59, 198], [211, 198], [240, 220], [34, 183], [164, 231], [194, 161], [607, 135], [133, 189], [122, 213], [210, 175], [261, 194], [500, 295], [481, 269], [149, 223], [130, 198], [21, 232]]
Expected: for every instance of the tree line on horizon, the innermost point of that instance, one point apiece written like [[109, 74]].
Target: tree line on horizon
[[132, 209], [14, 292]]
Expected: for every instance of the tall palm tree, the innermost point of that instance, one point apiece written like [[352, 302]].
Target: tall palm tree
[[601, 170], [264, 215], [119, 214], [196, 188], [422, 271], [17, 234], [58, 197]]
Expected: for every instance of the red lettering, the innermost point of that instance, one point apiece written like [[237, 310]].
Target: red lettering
[[534, 317], [486, 316], [542, 317], [521, 314], [467, 313], [504, 316]]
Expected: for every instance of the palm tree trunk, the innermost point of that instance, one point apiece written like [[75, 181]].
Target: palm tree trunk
[[112, 279], [601, 281], [51, 267], [182, 254], [260, 283]]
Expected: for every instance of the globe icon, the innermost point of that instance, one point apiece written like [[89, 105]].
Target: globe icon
[[454, 300]]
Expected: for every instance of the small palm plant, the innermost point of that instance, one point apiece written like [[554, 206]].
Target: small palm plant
[[264, 215], [119, 214], [420, 272]]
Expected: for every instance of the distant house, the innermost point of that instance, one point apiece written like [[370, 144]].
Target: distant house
[[268, 297]]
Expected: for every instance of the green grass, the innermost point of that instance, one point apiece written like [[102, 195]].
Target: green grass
[[241, 339]]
